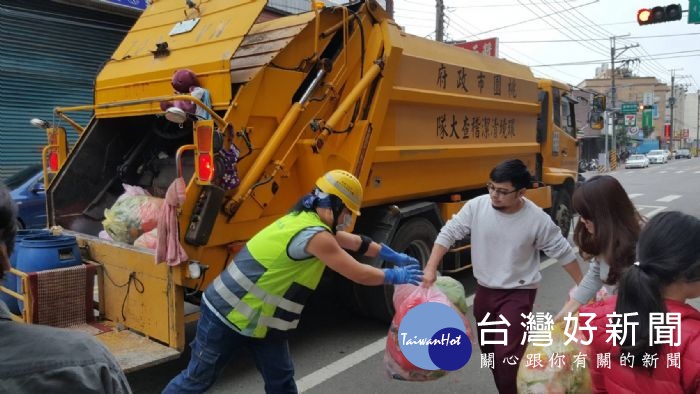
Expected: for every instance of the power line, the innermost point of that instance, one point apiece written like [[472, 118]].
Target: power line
[[597, 39], [469, 33], [606, 60], [533, 19], [571, 27], [571, 34], [648, 66], [498, 5]]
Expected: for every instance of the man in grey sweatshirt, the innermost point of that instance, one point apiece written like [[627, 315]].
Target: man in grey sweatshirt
[[508, 231]]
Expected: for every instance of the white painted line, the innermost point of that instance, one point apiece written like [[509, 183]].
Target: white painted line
[[669, 198], [680, 172], [337, 367], [696, 172], [634, 195], [662, 172], [317, 377], [653, 210]]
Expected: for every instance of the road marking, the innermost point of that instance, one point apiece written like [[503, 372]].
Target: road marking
[[662, 172], [669, 198], [697, 172], [634, 195], [680, 172], [654, 209], [315, 378], [335, 368]]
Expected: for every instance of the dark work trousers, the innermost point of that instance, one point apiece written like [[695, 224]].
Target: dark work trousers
[[510, 304]]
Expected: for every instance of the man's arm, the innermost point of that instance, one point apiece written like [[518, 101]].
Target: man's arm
[[553, 244], [574, 271], [430, 270], [458, 227]]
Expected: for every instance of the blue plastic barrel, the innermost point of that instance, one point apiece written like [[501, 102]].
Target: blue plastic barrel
[[44, 252], [10, 281]]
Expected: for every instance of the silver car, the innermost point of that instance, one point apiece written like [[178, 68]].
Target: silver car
[[657, 156], [637, 161]]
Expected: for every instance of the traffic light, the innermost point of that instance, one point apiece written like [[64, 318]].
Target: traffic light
[[648, 16]]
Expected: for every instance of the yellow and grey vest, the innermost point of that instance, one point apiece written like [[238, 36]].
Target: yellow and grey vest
[[264, 288]]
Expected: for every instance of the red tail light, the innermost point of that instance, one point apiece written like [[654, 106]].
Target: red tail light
[[204, 151], [53, 161], [205, 169]]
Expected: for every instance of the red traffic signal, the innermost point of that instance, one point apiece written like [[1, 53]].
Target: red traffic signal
[[658, 14]]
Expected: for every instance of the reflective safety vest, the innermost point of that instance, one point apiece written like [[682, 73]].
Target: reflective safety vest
[[264, 288]]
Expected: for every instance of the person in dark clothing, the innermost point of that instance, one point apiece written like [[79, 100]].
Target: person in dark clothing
[[42, 359]]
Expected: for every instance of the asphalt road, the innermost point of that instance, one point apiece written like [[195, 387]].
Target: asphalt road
[[337, 351]]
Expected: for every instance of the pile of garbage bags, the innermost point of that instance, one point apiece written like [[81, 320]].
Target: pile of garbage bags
[[133, 218]]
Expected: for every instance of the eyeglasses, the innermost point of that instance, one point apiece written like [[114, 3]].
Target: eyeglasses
[[499, 192]]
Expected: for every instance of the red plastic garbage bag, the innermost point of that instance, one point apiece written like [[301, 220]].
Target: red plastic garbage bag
[[406, 297]]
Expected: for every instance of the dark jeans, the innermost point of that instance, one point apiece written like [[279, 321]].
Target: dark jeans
[[510, 304], [214, 345]]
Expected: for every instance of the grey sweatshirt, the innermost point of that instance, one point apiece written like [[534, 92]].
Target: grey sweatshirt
[[592, 282], [506, 247]]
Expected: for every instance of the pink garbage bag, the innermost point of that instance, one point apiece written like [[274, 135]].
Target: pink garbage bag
[[406, 297]]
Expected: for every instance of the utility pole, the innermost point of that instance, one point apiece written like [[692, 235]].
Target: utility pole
[[613, 54], [697, 125], [439, 20], [671, 101]]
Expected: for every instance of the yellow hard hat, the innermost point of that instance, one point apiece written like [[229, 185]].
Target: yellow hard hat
[[343, 185]]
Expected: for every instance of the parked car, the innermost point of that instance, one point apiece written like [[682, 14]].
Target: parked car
[[683, 154], [27, 189], [657, 156], [637, 161]]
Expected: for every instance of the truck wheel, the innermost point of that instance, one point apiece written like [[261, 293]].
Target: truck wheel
[[414, 237], [561, 211]]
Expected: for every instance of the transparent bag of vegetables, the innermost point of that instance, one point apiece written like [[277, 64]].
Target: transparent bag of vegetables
[[131, 216], [406, 297], [454, 290], [556, 371]]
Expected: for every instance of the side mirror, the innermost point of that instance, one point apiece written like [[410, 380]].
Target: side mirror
[[38, 188]]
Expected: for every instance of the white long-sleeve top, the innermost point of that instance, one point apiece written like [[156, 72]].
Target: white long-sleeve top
[[505, 246]]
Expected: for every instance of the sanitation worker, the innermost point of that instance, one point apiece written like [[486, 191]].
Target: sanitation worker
[[42, 359], [259, 297], [508, 231]]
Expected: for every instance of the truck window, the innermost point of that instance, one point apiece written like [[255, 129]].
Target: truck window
[[556, 106], [567, 113]]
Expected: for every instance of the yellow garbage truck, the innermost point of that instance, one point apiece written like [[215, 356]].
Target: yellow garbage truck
[[420, 123]]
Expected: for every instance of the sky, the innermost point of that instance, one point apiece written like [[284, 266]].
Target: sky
[[543, 34]]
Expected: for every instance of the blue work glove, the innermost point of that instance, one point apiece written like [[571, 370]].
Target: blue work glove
[[403, 275], [400, 259]]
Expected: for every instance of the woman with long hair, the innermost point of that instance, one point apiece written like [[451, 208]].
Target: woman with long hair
[[660, 352], [606, 234]]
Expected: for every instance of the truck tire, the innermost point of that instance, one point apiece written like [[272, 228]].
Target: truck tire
[[561, 211], [414, 237]]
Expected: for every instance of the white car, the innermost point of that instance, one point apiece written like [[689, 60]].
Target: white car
[[637, 161], [657, 156]]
